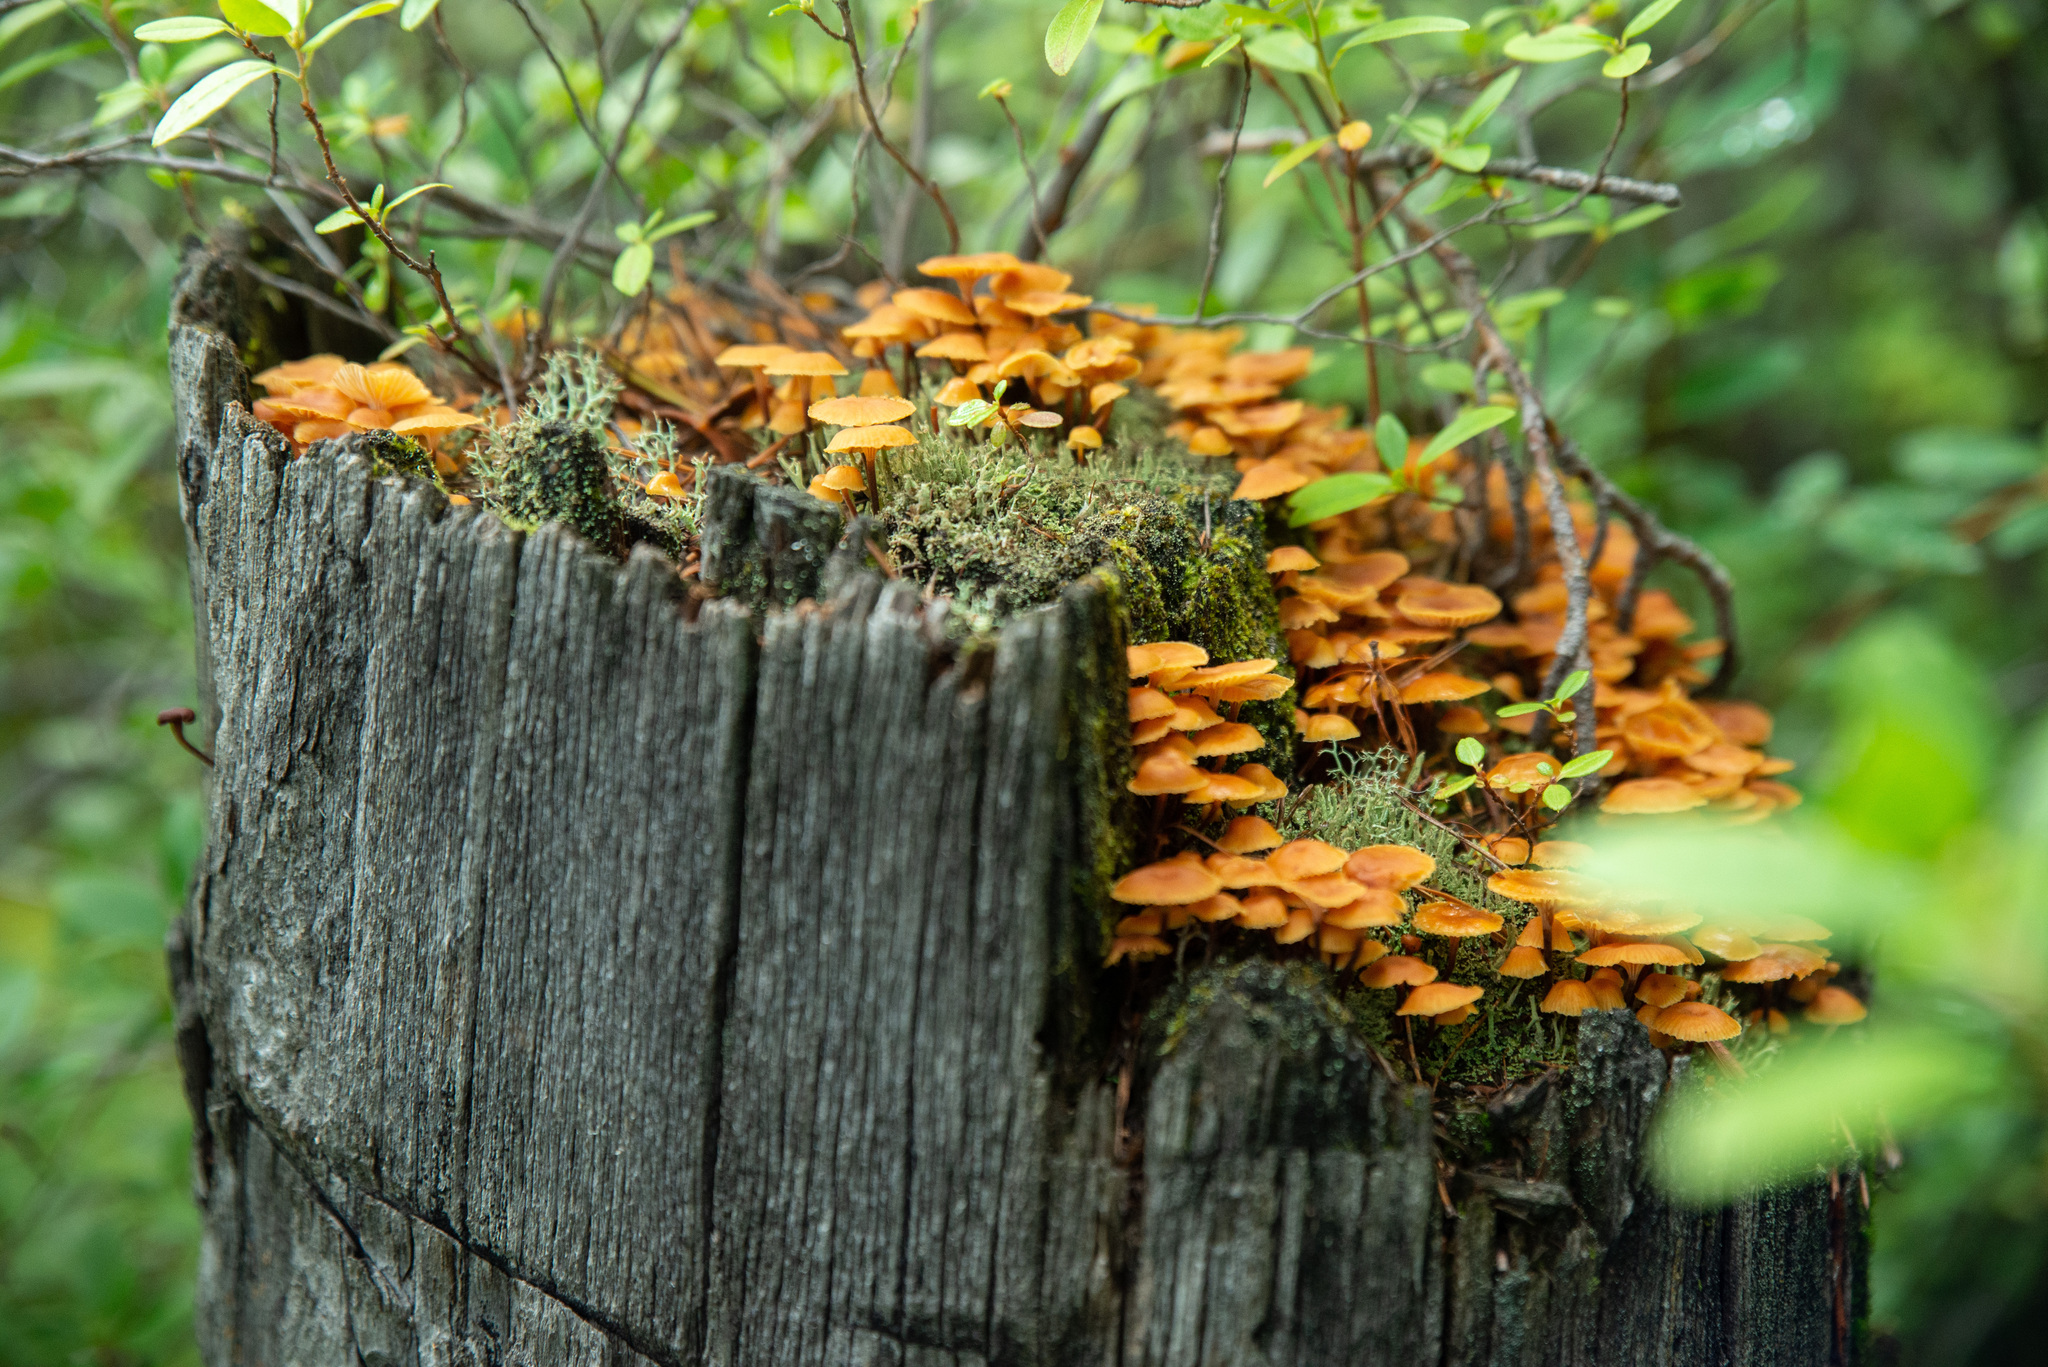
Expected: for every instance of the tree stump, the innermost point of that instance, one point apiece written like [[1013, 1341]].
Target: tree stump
[[582, 971]]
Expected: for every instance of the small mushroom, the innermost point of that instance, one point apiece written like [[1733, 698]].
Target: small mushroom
[[1569, 997], [1299, 859], [1148, 659], [1374, 907], [1170, 882], [1399, 970], [1835, 1006], [1396, 867], [1288, 558], [1454, 921], [1696, 1023], [1523, 961], [1608, 993], [1650, 797], [1441, 687], [1447, 605], [1436, 999], [861, 410], [1248, 835]]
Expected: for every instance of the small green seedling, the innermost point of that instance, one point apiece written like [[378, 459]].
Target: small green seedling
[[635, 265]]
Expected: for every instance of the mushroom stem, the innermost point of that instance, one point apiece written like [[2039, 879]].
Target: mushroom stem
[[1728, 1061], [175, 718], [867, 461]]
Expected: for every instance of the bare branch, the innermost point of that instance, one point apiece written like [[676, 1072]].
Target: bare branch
[[1244, 103], [1408, 157]]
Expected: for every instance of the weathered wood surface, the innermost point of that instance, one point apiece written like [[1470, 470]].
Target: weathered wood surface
[[582, 973]]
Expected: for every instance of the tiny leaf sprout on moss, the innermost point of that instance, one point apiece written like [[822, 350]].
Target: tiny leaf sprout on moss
[[635, 265]]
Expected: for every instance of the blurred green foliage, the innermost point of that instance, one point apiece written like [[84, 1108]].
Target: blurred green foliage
[[1828, 365]]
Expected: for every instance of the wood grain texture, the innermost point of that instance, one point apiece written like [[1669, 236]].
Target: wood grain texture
[[581, 972]]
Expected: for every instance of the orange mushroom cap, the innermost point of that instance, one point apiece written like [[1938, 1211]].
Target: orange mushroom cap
[[1374, 907], [1399, 970], [1299, 859], [1568, 997], [1523, 961], [1168, 883], [1450, 919], [941, 306], [1835, 1006], [837, 479], [967, 266], [1397, 867], [861, 410], [804, 363], [1248, 835], [1442, 687], [1168, 773], [1290, 558], [750, 356], [1651, 797], [1448, 605], [1147, 703], [1607, 990], [1156, 655], [1436, 999], [871, 438], [1635, 952], [1661, 989], [1696, 1022]]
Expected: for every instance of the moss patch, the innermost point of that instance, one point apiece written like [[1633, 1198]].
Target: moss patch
[[1506, 1037]]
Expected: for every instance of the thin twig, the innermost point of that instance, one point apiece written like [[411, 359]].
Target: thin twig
[[1244, 103]]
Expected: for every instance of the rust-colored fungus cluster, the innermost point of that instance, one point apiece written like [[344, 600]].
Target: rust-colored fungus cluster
[[1435, 621], [325, 396]]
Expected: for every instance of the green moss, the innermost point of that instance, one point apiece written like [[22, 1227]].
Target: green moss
[[1506, 1037]]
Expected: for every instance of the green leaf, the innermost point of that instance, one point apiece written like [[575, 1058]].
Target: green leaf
[[683, 224], [1636, 218], [415, 13], [1591, 762], [360, 12], [1282, 49], [1467, 425], [344, 217], [1334, 494], [1557, 797], [1573, 682], [1481, 109], [1390, 439], [1453, 377], [1561, 44], [1451, 787], [1068, 34], [181, 30], [206, 97], [1471, 160], [253, 16], [1562, 227], [631, 270], [1471, 752], [1521, 709], [1652, 14], [416, 190], [1627, 62], [1202, 24], [1404, 28], [970, 413], [1293, 159], [1216, 53]]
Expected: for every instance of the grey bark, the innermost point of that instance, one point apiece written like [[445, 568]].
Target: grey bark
[[583, 972]]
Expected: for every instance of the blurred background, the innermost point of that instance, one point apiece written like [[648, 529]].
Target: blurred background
[[1831, 366]]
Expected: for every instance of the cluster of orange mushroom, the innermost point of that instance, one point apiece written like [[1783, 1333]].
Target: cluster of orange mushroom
[[1341, 904], [325, 396]]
